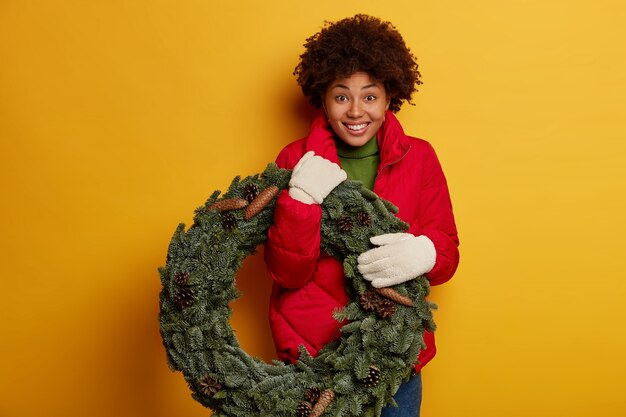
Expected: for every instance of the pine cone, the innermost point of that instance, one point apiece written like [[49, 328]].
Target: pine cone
[[229, 221], [326, 397], [209, 386], [312, 394], [260, 201], [345, 224], [304, 409], [228, 204], [181, 278], [370, 300], [385, 308], [394, 295], [250, 192], [373, 376], [364, 218], [184, 297]]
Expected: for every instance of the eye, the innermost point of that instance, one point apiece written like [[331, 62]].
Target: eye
[[341, 98], [370, 97]]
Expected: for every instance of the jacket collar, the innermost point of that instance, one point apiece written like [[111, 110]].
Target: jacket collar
[[393, 144]]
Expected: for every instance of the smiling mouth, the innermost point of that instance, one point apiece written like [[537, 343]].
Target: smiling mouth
[[360, 126]]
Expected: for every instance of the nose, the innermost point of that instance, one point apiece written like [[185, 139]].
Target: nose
[[355, 111]]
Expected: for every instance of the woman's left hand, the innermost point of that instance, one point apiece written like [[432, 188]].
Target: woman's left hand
[[399, 257]]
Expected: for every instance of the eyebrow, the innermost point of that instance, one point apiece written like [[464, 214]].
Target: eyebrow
[[345, 87]]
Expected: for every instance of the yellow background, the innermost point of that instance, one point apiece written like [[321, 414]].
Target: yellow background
[[118, 118]]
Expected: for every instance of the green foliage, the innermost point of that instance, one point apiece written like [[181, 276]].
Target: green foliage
[[200, 343]]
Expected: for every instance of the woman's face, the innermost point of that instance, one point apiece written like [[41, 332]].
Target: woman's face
[[355, 107]]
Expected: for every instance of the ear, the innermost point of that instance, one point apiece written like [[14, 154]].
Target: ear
[[388, 102]]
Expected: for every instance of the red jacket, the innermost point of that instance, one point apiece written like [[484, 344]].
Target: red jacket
[[309, 285]]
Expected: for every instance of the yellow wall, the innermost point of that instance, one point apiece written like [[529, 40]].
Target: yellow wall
[[118, 118]]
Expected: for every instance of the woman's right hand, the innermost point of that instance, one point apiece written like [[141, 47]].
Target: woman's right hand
[[313, 178]]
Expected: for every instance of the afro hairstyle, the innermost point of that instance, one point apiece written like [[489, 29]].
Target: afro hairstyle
[[358, 44]]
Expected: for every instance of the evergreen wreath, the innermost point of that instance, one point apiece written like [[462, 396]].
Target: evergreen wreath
[[356, 375]]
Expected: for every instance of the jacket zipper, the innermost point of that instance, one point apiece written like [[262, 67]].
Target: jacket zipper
[[397, 160]]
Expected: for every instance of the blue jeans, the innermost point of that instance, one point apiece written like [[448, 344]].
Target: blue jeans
[[408, 397]]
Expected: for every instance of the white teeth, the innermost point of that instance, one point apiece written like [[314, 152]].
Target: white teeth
[[357, 127]]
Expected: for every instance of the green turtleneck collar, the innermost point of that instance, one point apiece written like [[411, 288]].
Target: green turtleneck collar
[[360, 163], [346, 151]]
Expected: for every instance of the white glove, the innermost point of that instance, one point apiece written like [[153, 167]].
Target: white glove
[[399, 258], [313, 178]]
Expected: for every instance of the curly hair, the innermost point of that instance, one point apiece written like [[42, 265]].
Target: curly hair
[[358, 44]]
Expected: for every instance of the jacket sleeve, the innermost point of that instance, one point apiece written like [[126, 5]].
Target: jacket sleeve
[[293, 241], [436, 219]]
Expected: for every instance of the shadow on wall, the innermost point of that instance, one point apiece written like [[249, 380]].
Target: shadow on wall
[[301, 110], [293, 113], [133, 370], [134, 373]]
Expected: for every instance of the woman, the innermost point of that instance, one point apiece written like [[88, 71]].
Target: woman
[[358, 72]]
